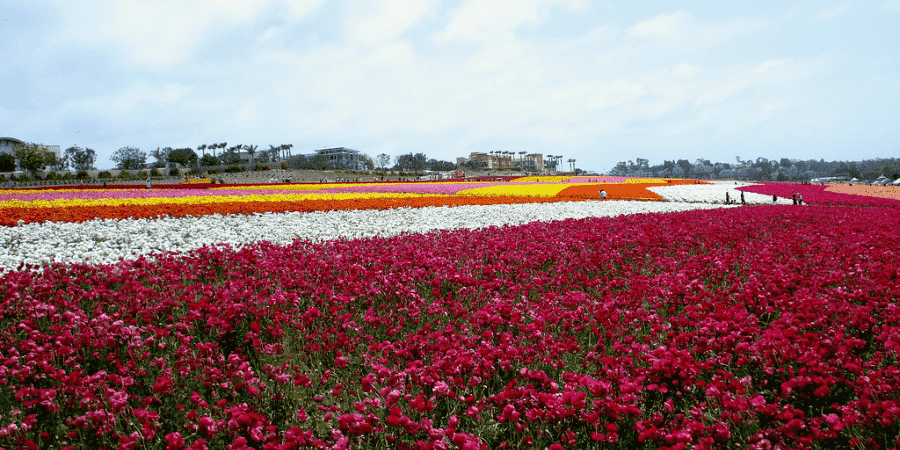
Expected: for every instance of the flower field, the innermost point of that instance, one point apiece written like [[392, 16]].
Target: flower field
[[530, 322], [825, 195], [892, 192]]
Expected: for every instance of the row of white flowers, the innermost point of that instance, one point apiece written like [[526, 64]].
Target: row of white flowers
[[713, 193], [107, 241]]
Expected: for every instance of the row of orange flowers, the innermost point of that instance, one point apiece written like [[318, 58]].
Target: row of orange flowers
[[15, 214], [12, 216]]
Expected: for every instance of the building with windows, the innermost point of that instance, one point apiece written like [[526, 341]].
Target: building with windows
[[9, 145], [528, 162], [344, 158]]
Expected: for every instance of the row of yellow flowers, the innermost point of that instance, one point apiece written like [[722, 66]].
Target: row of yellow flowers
[[65, 203]]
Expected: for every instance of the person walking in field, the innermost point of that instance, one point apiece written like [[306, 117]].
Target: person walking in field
[[774, 198], [742, 198], [727, 198], [794, 197], [799, 199]]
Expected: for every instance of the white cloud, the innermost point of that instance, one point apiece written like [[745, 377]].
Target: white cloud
[[374, 23], [479, 20], [769, 66], [132, 100], [670, 25], [832, 12], [891, 6], [163, 32]]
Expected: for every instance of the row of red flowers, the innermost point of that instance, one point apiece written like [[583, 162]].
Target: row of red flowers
[[11, 216], [765, 327], [818, 195]]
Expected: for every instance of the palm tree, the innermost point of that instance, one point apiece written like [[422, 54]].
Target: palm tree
[[286, 150], [222, 145], [521, 158], [251, 150], [202, 149]]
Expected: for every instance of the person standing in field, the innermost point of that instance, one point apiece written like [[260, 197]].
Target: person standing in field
[[774, 198], [742, 198], [602, 194], [799, 199], [727, 198]]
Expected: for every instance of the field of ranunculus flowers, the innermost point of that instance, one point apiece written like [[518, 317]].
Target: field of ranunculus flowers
[[522, 314]]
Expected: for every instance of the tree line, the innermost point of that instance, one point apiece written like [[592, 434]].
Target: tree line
[[33, 158], [761, 169]]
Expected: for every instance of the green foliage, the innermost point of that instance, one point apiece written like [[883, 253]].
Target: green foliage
[[31, 157], [193, 171], [83, 175], [162, 156], [104, 174], [124, 175], [260, 167], [234, 168], [174, 173], [51, 176], [155, 172], [185, 156], [129, 158], [209, 160], [7, 162], [81, 158]]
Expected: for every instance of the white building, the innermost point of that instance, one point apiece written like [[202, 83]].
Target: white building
[[9, 145]]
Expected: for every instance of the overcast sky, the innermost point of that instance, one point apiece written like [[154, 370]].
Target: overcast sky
[[600, 82]]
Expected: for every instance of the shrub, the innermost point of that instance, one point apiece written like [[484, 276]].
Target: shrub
[[141, 174], [260, 167], [82, 175], [124, 175], [212, 171], [174, 173], [193, 171], [155, 172], [51, 176], [234, 168], [104, 174]]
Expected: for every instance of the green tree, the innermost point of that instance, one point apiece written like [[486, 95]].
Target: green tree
[[7, 162], [81, 158], [58, 164], [382, 161], [31, 157], [209, 160], [162, 156], [129, 158], [251, 150], [231, 155], [184, 156]]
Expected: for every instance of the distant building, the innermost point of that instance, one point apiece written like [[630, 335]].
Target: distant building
[[343, 157], [531, 162], [9, 145]]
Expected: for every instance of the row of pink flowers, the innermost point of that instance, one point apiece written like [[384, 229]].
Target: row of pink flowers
[[817, 195], [137, 193], [766, 327], [595, 179], [442, 188]]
